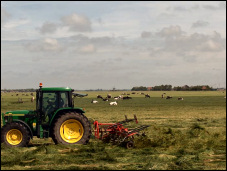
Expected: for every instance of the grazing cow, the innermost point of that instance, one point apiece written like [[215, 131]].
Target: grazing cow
[[94, 101], [163, 95], [127, 97], [113, 103], [116, 98], [180, 98], [32, 99], [147, 96], [99, 96], [109, 96], [105, 99], [169, 97]]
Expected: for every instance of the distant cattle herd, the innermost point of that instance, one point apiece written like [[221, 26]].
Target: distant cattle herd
[[109, 97], [125, 96]]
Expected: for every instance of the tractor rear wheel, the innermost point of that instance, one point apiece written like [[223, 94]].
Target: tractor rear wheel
[[71, 128], [15, 135]]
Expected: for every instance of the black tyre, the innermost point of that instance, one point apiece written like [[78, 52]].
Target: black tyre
[[130, 144], [71, 128], [15, 135]]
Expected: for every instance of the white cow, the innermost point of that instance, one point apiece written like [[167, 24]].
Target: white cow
[[113, 103], [94, 101]]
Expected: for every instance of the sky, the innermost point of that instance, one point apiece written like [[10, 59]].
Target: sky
[[112, 44]]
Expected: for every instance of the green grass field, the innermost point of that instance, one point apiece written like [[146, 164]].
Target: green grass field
[[187, 134]]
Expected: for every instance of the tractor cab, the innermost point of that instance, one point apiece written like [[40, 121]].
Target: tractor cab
[[49, 100]]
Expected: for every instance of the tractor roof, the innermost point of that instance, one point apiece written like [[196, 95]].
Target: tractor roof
[[56, 89]]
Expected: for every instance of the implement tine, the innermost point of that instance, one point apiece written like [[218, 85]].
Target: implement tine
[[121, 122], [137, 129], [135, 118], [126, 118]]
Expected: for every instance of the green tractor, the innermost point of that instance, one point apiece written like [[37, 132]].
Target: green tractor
[[55, 116]]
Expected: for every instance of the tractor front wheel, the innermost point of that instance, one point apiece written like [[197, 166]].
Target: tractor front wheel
[[15, 135], [71, 128]]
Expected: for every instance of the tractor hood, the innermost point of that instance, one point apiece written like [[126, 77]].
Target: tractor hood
[[19, 112]]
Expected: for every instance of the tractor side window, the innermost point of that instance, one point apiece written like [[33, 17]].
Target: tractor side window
[[64, 99]]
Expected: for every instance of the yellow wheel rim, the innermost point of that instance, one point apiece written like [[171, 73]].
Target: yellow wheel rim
[[14, 137], [71, 131]]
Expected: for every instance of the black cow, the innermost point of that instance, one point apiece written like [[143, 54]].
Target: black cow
[[169, 97], [127, 97], [147, 96], [99, 96]]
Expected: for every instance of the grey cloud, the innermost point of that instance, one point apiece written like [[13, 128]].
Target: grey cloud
[[187, 56], [82, 40], [48, 27], [145, 34], [195, 7], [194, 42], [184, 8], [47, 44], [172, 31], [74, 23], [200, 23], [180, 8], [103, 41], [4, 16], [220, 6]]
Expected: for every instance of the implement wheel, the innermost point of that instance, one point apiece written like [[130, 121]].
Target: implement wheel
[[15, 135], [129, 144], [71, 128]]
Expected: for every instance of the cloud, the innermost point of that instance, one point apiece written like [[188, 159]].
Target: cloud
[[145, 34], [210, 45], [200, 23], [73, 23], [4, 16], [180, 8], [48, 27], [184, 8], [15, 23], [172, 31], [47, 44], [90, 48], [220, 6], [77, 23], [176, 41]]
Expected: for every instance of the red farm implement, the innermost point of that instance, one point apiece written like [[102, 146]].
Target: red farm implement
[[116, 133]]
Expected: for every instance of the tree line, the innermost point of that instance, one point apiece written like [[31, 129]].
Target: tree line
[[176, 88]]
